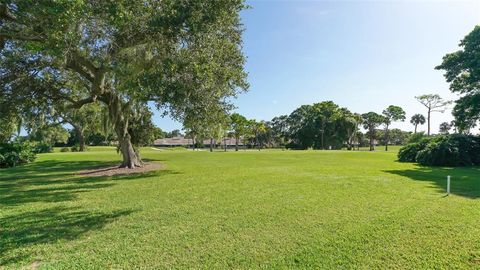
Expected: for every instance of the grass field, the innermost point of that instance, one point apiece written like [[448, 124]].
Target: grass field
[[268, 209]]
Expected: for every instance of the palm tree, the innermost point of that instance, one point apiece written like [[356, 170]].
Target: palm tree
[[416, 120], [445, 128]]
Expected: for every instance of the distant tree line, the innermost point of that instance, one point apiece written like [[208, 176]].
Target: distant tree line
[[323, 125]]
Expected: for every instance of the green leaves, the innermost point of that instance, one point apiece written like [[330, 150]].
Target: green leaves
[[394, 113], [372, 120], [462, 71], [417, 119], [321, 125]]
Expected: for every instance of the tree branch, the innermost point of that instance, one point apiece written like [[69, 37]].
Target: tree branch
[[78, 104], [83, 61], [18, 36], [5, 13], [78, 68], [82, 65]]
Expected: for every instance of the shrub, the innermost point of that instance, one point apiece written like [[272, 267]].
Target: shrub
[[416, 137], [41, 147], [409, 152], [449, 150], [16, 153], [65, 149]]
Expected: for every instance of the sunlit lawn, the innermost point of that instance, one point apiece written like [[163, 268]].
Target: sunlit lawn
[[267, 209]]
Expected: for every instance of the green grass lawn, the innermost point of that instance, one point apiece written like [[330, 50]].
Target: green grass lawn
[[268, 209]]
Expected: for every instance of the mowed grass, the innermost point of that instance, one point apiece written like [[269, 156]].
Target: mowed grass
[[241, 210]]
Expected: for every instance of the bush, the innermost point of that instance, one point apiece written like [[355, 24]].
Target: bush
[[416, 137], [65, 149], [76, 148], [449, 150], [409, 152], [16, 153], [41, 147]]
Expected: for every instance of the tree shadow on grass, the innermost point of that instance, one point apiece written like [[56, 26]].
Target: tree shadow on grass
[[20, 231], [52, 181], [56, 181], [465, 181]]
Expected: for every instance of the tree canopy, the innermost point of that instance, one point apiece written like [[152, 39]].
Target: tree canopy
[[462, 71], [417, 119], [392, 114], [185, 56], [433, 103], [321, 125], [371, 121]]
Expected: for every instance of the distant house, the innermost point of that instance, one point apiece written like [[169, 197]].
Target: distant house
[[172, 142], [187, 142]]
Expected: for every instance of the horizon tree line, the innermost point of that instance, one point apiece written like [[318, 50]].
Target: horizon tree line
[[323, 125]]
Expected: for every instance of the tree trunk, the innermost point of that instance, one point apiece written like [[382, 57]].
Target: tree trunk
[[415, 129], [428, 119], [131, 158], [81, 140], [323, 148], [257, 142], [236, 143], [117, 112], [211, 144], [386, 139], [372, 148]]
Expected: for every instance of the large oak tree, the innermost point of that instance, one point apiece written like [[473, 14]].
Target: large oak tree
[[178, 54]]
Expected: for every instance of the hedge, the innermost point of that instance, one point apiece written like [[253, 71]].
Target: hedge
[[447, 150]]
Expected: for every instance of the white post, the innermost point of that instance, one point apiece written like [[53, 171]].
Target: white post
[[448, 184]]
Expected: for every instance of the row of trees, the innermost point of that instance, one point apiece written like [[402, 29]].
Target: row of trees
[[323, 125]]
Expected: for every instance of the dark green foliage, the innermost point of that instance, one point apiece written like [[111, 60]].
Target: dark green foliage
[[185, 57], [416, 137], [395, 136], [42, 147], [409, 152], [450, 150], [16, 153], [462, 71], [322, 125], [76, 148], [65, 149]]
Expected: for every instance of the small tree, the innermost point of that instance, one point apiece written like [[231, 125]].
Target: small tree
[[255, 129], [371, 121], [433, 103], [417, 119], [238, 126], [445, 128], [280, 129], [392, 114]]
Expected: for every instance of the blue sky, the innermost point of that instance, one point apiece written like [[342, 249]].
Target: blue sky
[[363, 55]]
